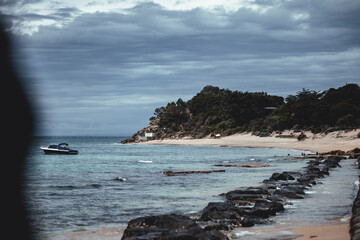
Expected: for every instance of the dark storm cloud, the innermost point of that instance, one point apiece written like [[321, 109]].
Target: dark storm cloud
[[18, 2], [8, 3], [126, 64], [20, 15]]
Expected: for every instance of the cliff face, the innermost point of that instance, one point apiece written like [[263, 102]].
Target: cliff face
[[155, 131]]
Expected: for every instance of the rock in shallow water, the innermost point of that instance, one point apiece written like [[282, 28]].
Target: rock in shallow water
[[170, 226]]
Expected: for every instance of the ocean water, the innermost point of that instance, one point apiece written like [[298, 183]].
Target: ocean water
[[108, 183]]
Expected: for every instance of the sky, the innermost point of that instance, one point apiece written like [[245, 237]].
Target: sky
[[101, 67]]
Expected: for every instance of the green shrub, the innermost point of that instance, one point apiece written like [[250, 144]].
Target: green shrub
[[301, 137]]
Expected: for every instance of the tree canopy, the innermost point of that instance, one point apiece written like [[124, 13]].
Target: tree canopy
[[215, 110]]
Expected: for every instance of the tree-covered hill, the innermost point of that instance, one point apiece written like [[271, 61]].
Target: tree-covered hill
[[334, 108], [222, 111]]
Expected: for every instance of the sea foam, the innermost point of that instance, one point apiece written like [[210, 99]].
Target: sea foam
[[145, 161]]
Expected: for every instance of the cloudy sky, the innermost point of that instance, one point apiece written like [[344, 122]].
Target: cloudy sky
[[101, 67]]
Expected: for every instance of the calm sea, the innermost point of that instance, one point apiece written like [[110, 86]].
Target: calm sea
[[108, 183]]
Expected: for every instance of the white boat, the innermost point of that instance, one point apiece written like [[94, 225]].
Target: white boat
[[61, 148]]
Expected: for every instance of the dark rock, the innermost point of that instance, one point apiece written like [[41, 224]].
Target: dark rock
[[314, 162], [238, 203], [120, 179], [257, 212], [272, 186], [355, 153], [313, 175], [334, 152], [294, 184], [170, 226], [294, 174], [219, 210], [316, 172], [252, 190], [247, 222], [355, 218], [246, 165], [288, 194], [176, 173], [324, 170], [144, 233], [171, 221], [263, 208], [196, 233], [271, 205], [250, 221], [306, 179], [225, 225], [233, 195], [294, 189], [332, 161], [282, 176]]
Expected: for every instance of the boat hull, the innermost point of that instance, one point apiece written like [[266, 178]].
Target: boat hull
[[54, 151]]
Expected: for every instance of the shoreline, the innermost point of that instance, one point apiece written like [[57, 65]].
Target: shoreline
[[339, 140], [324, 232], [331, 231], [219, 217], [344, 141]]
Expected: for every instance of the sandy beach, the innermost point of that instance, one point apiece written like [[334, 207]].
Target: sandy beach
[[335, 230], [318, 232], [339, 140], [324, 232]]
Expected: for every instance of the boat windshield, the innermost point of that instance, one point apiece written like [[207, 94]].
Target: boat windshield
[[63, 147], [59, 146]]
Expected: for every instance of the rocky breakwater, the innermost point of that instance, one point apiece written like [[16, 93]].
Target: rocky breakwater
[[243, 207], [355, 216]]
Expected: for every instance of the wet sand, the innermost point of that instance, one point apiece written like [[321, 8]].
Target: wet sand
[[338, 231], [324, 232], [333, 231], [103, 233]]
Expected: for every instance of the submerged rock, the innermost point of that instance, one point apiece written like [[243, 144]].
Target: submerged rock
[[355, 218], [233, 195], [120, 179], [288, 194], [246, 165], [176, 173], [275, 205]]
